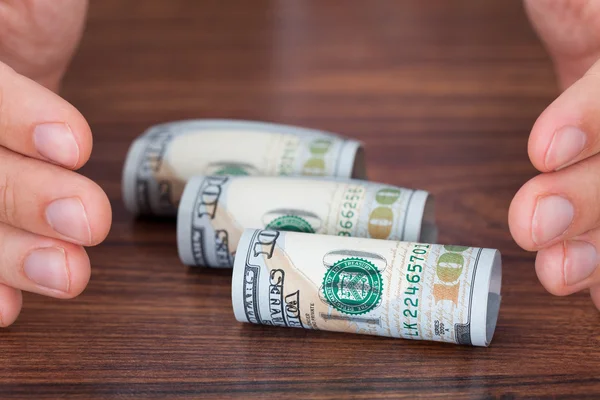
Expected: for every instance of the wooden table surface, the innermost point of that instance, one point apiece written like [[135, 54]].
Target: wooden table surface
[[442, 93]]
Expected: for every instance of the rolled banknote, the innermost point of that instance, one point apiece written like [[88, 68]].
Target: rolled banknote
[[215, 210], [367, 286], [160, 162]]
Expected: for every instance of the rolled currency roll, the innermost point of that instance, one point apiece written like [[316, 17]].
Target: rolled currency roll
[[215, 210], [161, 160], [367, 286]]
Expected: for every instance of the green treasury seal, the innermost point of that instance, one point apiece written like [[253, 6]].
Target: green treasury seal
[[353, 286], [232, 169], [290, 223]]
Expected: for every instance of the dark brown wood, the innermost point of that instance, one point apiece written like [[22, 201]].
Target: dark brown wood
[[443, 93]]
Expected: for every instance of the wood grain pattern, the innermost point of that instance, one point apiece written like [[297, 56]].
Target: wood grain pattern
[[442, 93]]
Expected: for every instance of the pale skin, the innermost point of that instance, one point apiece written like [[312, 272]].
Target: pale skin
[[49, 213]]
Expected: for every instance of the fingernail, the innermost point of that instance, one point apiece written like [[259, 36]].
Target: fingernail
[[551, 217], [48, 267], [581, 260], [56, 142], [566, 144], [67, 217]]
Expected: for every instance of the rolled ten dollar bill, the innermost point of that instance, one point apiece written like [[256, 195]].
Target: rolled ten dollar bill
[[215, 210], [166, 156], [367, 286]]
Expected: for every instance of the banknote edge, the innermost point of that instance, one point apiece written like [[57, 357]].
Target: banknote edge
[[129, 184]]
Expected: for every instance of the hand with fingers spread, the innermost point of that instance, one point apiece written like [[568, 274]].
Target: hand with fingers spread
[[48, 212], [557, 213]]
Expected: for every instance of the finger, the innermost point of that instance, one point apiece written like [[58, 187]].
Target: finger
[[11, 301], [568, 130], [556, 206], [38, 37], [569, 31], [595, 293], [568, 267], [38, 123], [51, 201], [42, 265]]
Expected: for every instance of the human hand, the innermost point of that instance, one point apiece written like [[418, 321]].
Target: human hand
[[557, 213], [47, 211]]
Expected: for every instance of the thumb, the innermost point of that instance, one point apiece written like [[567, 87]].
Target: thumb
[[38, 37], [570, 31]]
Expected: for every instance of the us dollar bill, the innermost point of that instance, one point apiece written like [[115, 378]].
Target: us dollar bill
[[162, 160], [215, 210], [367, 286]]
